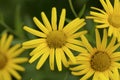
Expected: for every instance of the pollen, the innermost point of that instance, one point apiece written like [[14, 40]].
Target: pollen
[[56, 39], [100, 61], [114, 20], [3, 61]]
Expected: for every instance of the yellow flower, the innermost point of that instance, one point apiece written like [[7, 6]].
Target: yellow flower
[[108, 18], [54, 42], [9, 59], [100, 61]]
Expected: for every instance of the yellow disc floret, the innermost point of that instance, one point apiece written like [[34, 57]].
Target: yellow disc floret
[[100, 61], [114, 20], [56, 39]]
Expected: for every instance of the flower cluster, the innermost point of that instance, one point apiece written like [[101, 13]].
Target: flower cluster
[[57, 42]]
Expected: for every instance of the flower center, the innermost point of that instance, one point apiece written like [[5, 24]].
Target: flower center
[[100, 61], [56, 39], [3, 60], [114, 20]]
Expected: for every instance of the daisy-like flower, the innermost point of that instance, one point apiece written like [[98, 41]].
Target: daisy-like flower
[[100, 61], [9, 60], [54, 42], [109, 18]]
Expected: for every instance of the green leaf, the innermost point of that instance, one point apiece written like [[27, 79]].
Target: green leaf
[[44, 73], [68, 20], [1, 17], [18, 23], [80, 14]]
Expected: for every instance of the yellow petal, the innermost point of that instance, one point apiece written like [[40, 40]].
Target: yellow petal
[[17, 67], [14, 73], [64, 60], [69, 54], [95, 77], [75, 47], [82, 58], [13, 49], [17, 53], [62, 19], [74, 41], [46, 21], [51, 58], [42, 60], [33, 42], [102, 11], [89, 74], [3, 39], [86, 44], [115, 55], [78, 34], [112, 49], [8, 42], [84, 71], [104, 40], [79, 67], [110, 31], [19, 60], [115, 64], [116, 74], [103, 77], [58, 59], [116, 6], [40, 25], [38, 49], [98, 39], [34, 32], [97, 14], [103, 23], [6, 75], [77, 28], [109, 6], [54, 18], [37, 55], [71, 25], [111, 44], [105, 6]]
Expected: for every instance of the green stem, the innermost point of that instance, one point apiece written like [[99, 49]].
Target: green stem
[[8, 28], [66, 76], [73, 10]]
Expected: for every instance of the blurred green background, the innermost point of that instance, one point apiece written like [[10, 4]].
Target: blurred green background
[[14, 14]]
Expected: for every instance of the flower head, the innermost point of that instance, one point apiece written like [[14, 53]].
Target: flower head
[[9, 59], [100, 61], [108, 18], [54, 42]]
